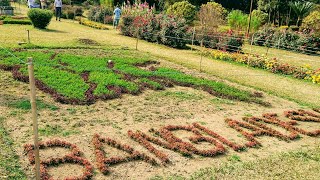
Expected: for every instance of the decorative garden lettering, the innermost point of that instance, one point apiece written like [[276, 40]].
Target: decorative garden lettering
[[169, 141]]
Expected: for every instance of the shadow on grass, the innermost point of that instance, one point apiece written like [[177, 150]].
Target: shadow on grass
[[52, 30]]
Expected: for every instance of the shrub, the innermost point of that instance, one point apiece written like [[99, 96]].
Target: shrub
[[237, 20], [262, 16], [69, 12], [212, 15], [227, 41], [17, 21], [40, 18], [312, 22], [174, 32], [98, 14], [305, 42], [164, 29], [4, 3], [184, 10]]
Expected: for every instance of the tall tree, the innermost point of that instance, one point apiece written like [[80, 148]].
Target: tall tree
[[301, 9]]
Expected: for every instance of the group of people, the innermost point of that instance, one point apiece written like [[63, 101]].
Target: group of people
[[58, 10]]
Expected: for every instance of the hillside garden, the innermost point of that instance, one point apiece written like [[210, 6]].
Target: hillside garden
[[180, 90]]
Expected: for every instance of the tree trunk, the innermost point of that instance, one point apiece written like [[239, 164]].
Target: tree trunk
[[298, 21]]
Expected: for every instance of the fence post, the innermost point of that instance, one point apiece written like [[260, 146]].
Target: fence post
[[34, 115], [193, 34], [251, 43]]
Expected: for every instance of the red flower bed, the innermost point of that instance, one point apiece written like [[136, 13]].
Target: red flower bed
[[238, 125], [187, 148], [73, 157], [103, 163], [302, 115], [233, 145]]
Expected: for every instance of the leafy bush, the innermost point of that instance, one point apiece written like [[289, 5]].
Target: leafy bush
[[141, 22], [289, 40], [260, 15], [312, 22], [174, 31], [227, 41], [40, 18], [212, 15], [98, 14], [184, 10], [17, 21], [4, 3], [237, 20], [69, 12]]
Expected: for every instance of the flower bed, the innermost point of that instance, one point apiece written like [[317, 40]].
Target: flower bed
[[82, 80], [250, 128], [92, 24], [72, 158], [269, 64]]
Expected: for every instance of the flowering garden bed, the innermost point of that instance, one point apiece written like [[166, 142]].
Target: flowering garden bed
[[250, 127], [76, 79], [269, 64]]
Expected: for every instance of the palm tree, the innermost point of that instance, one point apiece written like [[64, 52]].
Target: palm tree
[[302, 9]]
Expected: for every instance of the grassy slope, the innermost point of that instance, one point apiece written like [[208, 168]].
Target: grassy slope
[[66, 33], [300, 164], [9, 164]]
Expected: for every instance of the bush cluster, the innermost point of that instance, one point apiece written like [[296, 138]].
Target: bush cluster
[[305, 42], [228, 41], [272, 65], [40, 18], [183, 9], [164, 29], [100, 14]]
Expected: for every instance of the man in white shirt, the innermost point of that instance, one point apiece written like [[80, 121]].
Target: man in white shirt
[[117, 14], [58, 7], [31, 4]]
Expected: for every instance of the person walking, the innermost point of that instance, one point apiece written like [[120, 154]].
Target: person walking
[[117, 14], [58, 7]]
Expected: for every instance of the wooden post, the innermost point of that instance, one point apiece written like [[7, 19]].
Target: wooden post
[[28, 36], [34, 115], [201, 44], [251, 43], [193, 34]]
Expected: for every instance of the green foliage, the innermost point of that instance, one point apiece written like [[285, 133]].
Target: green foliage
[[4, 3], [40, 18], [9, 20], [25, 105], [212, 15], [54, 130], [107, 3], [260, 15], [163, 29], [63, 73], [184, 10], [302, 9], [237, 20], [98, 14], [312, 22], [289, 40]]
